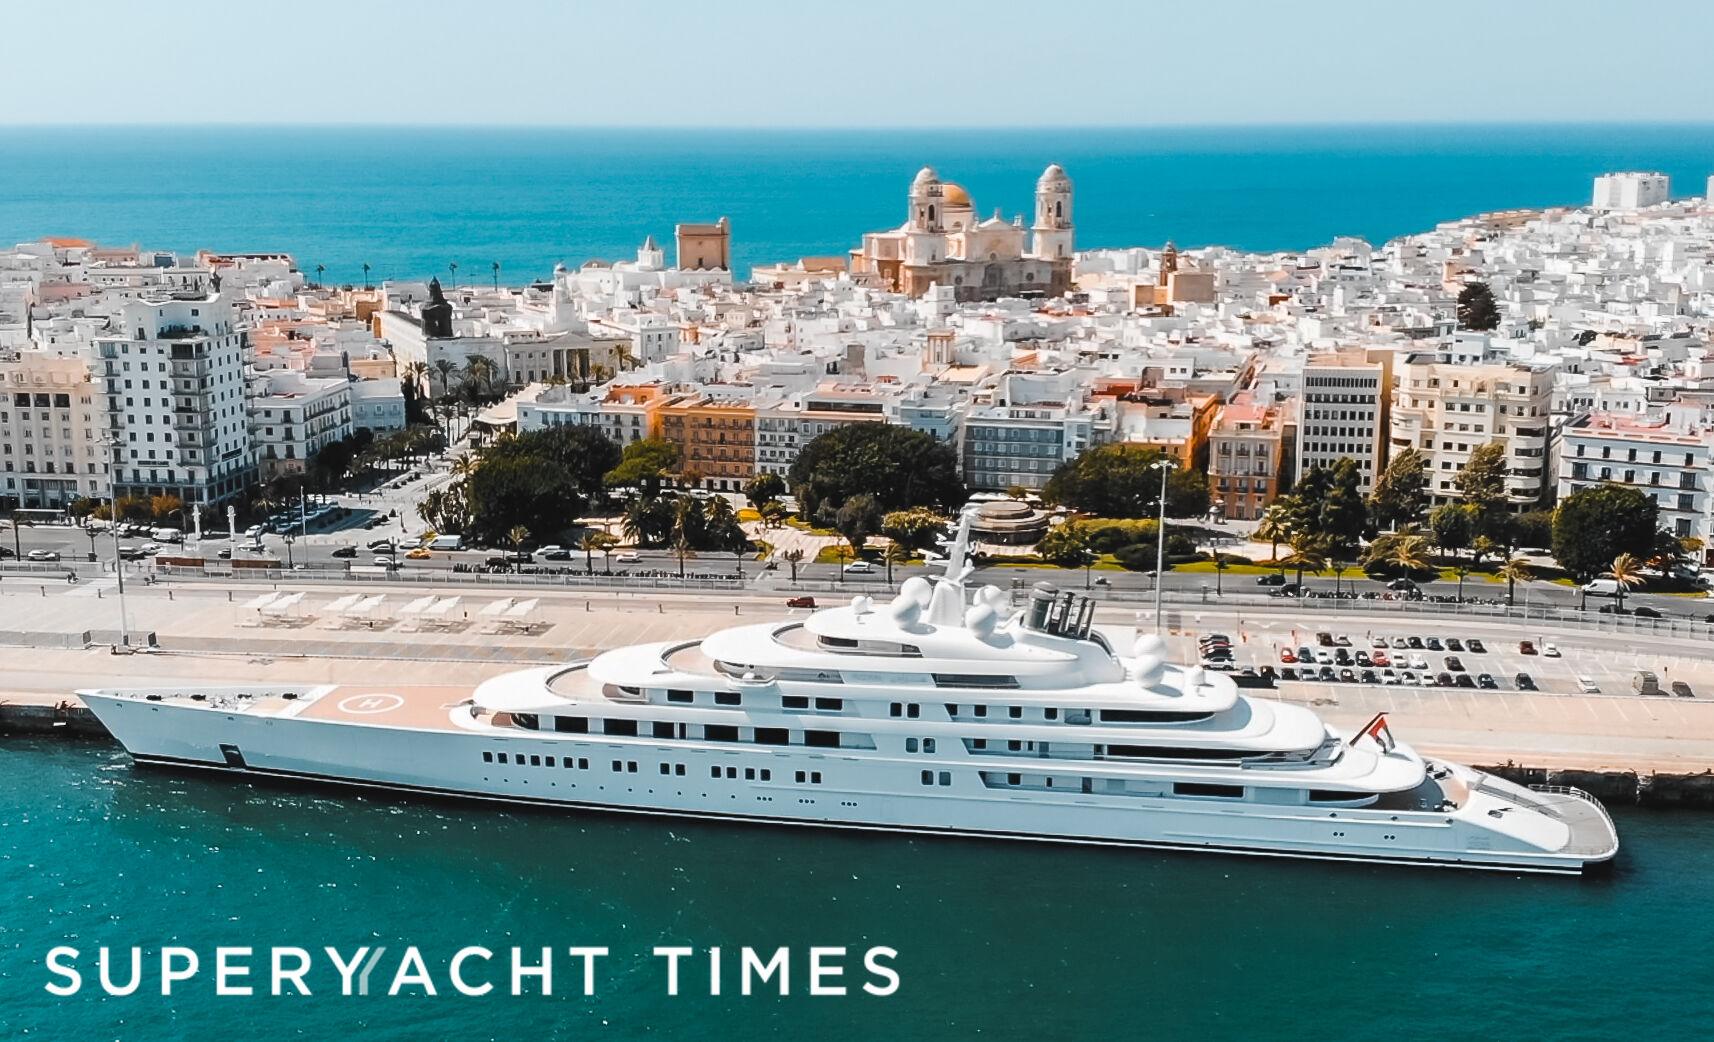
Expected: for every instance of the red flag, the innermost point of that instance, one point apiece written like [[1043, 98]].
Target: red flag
[[1378, 730]]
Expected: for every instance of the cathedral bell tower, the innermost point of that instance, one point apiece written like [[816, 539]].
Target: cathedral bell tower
[[1052, 230], [927, 201]]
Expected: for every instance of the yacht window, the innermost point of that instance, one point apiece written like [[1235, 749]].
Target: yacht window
[[1050, 714], [728, 698], [1014, 779], [928, 777], [487, 757], [1144, 716], [979, 743], [946, 777], [618, 766], [571, 724], [749, 774], [631, 766], [1016, 712], [773, 736], [974, 680], [767, 775], [800, 776], [815, 777], [535, 761], [663, 729], [1168, 752], [912, 710], [822, 739], [1077, 716], [678, 769], [797, 702], [910, 745], [720, 733], [1334, 796], [952, 709], [630, 690], [833, 705], [582, 764], [1014, 745], [981, 710], [1229, 792], [550, 761], [928, 745], [680, 696], [666, 768], [502, 757], [623, 727], [732, 773], [528, 721], [714, 772], [895, 709]]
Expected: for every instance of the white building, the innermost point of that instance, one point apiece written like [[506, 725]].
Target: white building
[[1632, 190], [1447, 411], [377, 405], [1346, 399], [1671, 465], [175, 393], [293, 417]]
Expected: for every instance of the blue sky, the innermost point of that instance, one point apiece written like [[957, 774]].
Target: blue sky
[[853, 63]]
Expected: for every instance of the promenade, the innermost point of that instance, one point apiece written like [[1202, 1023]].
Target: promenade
[[205, 634]]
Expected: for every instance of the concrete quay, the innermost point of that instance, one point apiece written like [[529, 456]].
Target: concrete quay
[[1623, 746]]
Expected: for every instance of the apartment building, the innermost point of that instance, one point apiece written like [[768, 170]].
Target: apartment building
[[1347, 398], [293, 417], [1447, 411], [1672, 465], [1246, 448], [716, 440], [53, 421], [174, 379]]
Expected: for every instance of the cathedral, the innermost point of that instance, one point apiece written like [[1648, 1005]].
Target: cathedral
[[943, 243]]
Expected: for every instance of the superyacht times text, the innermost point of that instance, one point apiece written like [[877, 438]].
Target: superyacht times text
[[471, 971]]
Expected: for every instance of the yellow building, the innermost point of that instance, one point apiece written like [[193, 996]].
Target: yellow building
[[716, 440]]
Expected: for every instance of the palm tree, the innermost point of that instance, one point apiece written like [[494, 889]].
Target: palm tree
[[365, 276], [793, 557], [496, 274], [607, 544], [1275, 526], [517, 536], [1514, 570], [1627, 571], [318, 270], [417, 373], [635, 521], [1462, 567], [453, 268], [682, 547], [589, 544], [445, 367], [1307, 552], [1409, 553], [897, 553], [1219, 570]]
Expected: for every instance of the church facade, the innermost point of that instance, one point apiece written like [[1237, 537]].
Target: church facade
[[942, 243]]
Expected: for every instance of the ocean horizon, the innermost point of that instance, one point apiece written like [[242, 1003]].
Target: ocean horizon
[[411, 200]]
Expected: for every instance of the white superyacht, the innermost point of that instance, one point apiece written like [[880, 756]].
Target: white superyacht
[[942, 711]]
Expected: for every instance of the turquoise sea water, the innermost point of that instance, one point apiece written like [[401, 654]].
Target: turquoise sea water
[[995, 940], [409, 201]]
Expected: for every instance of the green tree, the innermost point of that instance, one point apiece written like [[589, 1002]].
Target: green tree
[[644, 465], [1453, 526], [897, 466], [1671, 552], [1118, 480], [1477, 310], [917, 528], [763, 489], [1482, 486], [896, 553], [1308, 551], [721, 530], [1593, 527], [1275, 526], [773, 514], [1401, 495], [793, 558], [1068, 546], [859, 518], [1514, 570], [594, 543]]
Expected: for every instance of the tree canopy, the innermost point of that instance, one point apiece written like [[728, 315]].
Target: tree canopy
[[1476, 307], [1401, 495], [539, 479], [1596, 525], [916, 529], [644, 464], [1116, 481], [898, 466], [1482, 486], [1325, 505]]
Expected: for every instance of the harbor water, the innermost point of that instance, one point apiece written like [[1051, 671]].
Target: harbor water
[[994, 940]]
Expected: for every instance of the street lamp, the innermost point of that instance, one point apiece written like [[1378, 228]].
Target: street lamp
[[1165, 466], [112, 442]]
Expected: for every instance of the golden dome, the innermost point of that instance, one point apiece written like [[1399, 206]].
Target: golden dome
[[955, 195]]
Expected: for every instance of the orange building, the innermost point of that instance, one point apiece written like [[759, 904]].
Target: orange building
[[1245, 452], [716, 440]]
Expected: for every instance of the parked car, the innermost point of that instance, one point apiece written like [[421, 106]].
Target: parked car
[[1348, 676], [1403, 586], [628, 556], [1476, 646], [1587, 686], [1464, 680], [377, 545], [1381, 658], [43, 555], [1443, 680], [859, 568], [1643, 611], [345, 551], [1271, 579], [1527, 647], [1453, 664], [224, 553], [383, 561], [1433, 644], [1324, 639], [1289, 590], [1389, 676], [800, 602], [1288, 655], [1368, 676], [1454, 644], [1487, 680], [1524, 681], [1288, 673], [1682, 690], [1550, 650]]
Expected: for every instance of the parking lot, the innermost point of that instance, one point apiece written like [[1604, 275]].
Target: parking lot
[[1445, 655]]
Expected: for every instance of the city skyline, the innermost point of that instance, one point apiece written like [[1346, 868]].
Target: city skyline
[[1093, 64]]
